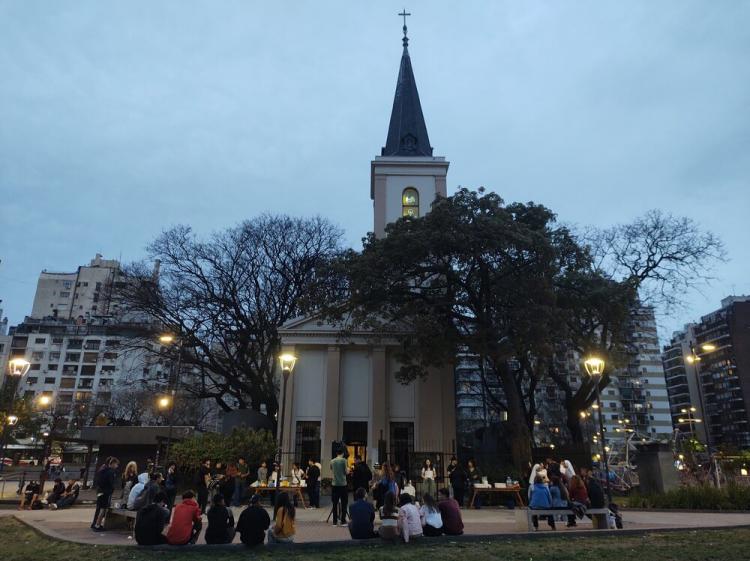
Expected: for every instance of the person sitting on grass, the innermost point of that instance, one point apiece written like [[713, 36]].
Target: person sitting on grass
[[30, 495], [361, 517], [450, 514], [541, 499], [186, 521], [389, 518], [409, 523], [151, 520], [430, 518], [220, 522], [253, 523], [69, 496], [283, 529]]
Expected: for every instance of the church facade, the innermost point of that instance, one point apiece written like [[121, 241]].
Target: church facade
[[345, 389]]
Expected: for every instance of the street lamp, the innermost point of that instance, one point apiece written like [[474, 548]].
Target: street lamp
[[17, 369], [286, 362], [595, 369], [168, 401]]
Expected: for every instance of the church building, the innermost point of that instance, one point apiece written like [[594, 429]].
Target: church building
[[344, 389]]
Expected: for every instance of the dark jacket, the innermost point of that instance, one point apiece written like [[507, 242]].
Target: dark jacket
[[596, 494], [313, 474], [105, 481], [361, 476], [458, 477], [149, 524], [453, 524], [252, 525], [362, 515], [220, 525]]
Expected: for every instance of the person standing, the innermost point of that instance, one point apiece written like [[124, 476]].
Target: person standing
[[240, 481], [202, 481], [253, 523], [313, 484], [399, 477], [129, 478], [263, 473], [428, 478], [339, 492], [458, 481], [475, 477], [105, 484], [361, 475], [170, 484]]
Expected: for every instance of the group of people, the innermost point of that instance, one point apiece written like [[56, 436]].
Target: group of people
[[554, 485], [62, 495]]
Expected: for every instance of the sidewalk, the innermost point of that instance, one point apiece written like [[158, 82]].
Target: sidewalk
[[73, 524]]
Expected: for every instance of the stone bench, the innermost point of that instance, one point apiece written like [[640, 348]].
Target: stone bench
[[598, 516], [119, 519]]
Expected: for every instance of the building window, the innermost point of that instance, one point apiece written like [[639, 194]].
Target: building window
[[49, 380], [402, 444], [72, 357], [68, 383], [31, 380], [410, 202], [52, 367], [307, 442], [40, 340], [92, 345], [64, 294]]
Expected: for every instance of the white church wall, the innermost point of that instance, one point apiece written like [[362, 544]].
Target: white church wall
[[401, 398], [395, 185], [309, 384], [356, 384]]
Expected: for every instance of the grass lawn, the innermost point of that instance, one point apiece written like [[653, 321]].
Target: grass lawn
[[20, 543]]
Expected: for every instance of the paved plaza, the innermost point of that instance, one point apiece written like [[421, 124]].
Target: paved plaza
[[73, 524]]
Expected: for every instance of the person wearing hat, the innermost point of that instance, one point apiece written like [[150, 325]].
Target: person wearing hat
[[253, 523]]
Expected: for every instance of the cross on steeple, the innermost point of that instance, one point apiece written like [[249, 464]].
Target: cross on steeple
[[404, 13]]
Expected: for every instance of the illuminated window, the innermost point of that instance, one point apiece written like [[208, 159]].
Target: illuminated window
[[410, 202]]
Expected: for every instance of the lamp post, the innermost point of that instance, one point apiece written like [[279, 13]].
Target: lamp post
[[287, 362], [168, 401], [690, 419], [595, 369], [17, 369]]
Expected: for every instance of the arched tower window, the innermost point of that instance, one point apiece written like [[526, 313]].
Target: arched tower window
[[410, 202]]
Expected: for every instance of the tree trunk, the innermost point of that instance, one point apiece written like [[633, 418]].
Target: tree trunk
[[573, 423], [519, 435]]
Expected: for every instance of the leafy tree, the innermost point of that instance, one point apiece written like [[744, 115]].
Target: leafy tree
[[473, 275], [254, 446], [226, 297]]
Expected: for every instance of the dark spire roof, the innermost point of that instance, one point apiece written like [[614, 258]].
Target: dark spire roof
[[407, 132]]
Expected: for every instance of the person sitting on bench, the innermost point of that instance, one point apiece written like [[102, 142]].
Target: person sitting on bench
[[541, 499]]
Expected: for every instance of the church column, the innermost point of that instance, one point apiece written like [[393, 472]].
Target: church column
[[331, 426], [379, 398]]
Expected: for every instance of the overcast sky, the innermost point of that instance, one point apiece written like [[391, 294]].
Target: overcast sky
[[118, 119]]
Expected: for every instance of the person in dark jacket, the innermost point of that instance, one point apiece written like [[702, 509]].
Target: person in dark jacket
[[313, 484], [57, 491], [151, 520], [220, 522], [171, 479], [105, 485], [458, 481], [594, 489], [361, 475], [361, 517], [253, 523], [475, 477]]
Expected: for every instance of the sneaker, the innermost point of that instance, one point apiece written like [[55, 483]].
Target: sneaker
[[98, 528], [342, 525]]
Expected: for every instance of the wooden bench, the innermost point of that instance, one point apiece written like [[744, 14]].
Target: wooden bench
[[598, 516], [119, 518]]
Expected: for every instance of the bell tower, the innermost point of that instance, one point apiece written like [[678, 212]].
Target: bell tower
[[406, 178]]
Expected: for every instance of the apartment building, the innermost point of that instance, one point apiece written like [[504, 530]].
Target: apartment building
[[721, 356]]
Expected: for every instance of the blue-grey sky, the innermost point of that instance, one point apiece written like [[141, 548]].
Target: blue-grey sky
[[118, 119]]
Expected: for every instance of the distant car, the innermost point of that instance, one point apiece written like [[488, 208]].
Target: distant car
[[7, 461], [27, 462]]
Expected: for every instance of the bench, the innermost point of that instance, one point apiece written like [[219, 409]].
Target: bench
[[598, 516], [119, 518]]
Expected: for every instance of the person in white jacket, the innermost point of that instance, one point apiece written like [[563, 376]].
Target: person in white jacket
[[137, 489]]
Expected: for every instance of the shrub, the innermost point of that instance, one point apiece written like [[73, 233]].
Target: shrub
[[254, 445], [696, 497]]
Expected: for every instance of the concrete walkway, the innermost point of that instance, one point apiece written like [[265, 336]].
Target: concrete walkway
[[73, 524]]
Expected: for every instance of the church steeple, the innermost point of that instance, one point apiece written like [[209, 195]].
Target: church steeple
[[407, 132]]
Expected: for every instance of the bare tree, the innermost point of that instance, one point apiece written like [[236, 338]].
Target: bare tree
[[225, 298]]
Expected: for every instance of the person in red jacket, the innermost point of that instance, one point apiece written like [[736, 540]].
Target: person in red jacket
[[186, 521]]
